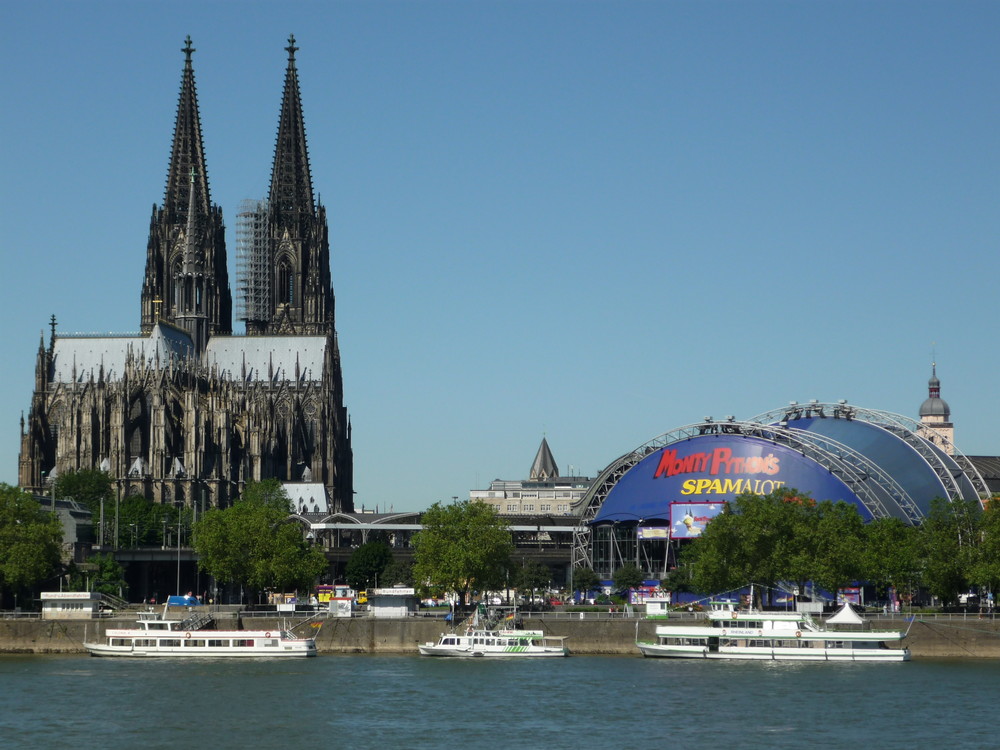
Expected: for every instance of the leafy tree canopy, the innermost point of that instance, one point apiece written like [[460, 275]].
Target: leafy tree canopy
[[87, 487], [985, 564], [397, 572], [103, 574], [367, 564], [462, 547], [949, 537], [252, 543], [142, 522], [585, 579], [532, 576], [782, 536], [628, 576], [30, 540], [891, 554]]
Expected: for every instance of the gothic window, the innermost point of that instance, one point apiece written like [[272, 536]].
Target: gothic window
[[175, 282], [286, 293], [137, 431], [174, 431], [236, 457]]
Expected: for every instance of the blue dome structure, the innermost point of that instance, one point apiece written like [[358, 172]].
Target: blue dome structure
[[884, 464]]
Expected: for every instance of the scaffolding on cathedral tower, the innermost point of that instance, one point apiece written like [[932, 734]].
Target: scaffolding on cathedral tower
[[252, 262]]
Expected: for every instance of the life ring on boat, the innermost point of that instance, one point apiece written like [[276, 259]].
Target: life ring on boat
[[187, 635], [267, 634], [798, 633]]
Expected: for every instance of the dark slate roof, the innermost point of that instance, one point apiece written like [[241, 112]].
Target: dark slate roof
[[544, 466], [989, 468]]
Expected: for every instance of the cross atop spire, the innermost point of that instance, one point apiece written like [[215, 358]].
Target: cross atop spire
[[291, 49], [187, 49]]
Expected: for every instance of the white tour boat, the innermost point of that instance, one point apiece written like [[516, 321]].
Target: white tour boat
[[156, 636], [781, 636], [507, 642]]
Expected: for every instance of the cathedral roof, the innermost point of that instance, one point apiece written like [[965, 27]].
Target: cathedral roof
[[250, 358], [307, 497], [264, 358], [79, 358]]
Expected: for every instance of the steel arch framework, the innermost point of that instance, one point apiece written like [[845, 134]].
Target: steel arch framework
[[876, 489]]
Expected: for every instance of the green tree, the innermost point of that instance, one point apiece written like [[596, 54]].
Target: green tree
[[891, 555], [628, 576], [948, 535], [367, 565], [985, 567], [398, 572], [88, 487], [462, 547], [103, 574], [142, 522], [253, 544], [531, 577], [837, 545], [761, 539], [678, 579], [585, 580], [30, 541]]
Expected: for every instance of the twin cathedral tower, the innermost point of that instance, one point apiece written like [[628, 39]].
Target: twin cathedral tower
[[186, 413]]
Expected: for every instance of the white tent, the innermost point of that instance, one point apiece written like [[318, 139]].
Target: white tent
[[846, 616]]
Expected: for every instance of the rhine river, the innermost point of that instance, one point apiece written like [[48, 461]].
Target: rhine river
[[582, 702]]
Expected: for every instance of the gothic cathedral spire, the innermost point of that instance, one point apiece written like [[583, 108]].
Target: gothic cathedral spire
[[300, 292], [186, 280]]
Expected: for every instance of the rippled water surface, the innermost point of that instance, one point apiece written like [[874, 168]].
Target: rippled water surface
[[411, 702]]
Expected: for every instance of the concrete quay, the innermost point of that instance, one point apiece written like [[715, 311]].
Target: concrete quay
[[594, 634]]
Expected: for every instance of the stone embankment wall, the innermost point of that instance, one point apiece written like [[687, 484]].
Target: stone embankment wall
[[928, 637]]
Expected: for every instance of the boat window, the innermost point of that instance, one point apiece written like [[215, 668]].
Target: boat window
[[199, 643], [243, 642], [170, 641], [218, 643]]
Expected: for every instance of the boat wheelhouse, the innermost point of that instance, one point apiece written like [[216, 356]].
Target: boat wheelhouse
[[780, 636]]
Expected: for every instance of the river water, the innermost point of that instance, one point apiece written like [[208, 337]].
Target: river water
[[582, 702]]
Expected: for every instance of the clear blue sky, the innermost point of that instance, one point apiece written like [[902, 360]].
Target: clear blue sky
[[593, 221]]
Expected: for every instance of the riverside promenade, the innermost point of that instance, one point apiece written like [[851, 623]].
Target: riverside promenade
[[595, 633]]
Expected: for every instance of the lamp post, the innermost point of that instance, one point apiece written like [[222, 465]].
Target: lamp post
[[178, 550]]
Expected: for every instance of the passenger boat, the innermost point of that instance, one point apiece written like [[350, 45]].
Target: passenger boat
[[156, 636], [779, 636], [504, 642]]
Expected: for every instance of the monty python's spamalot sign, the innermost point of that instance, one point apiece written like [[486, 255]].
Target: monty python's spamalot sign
[[714, 469]]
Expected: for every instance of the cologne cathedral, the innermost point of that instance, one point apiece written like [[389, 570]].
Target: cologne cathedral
[[185, 413]]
